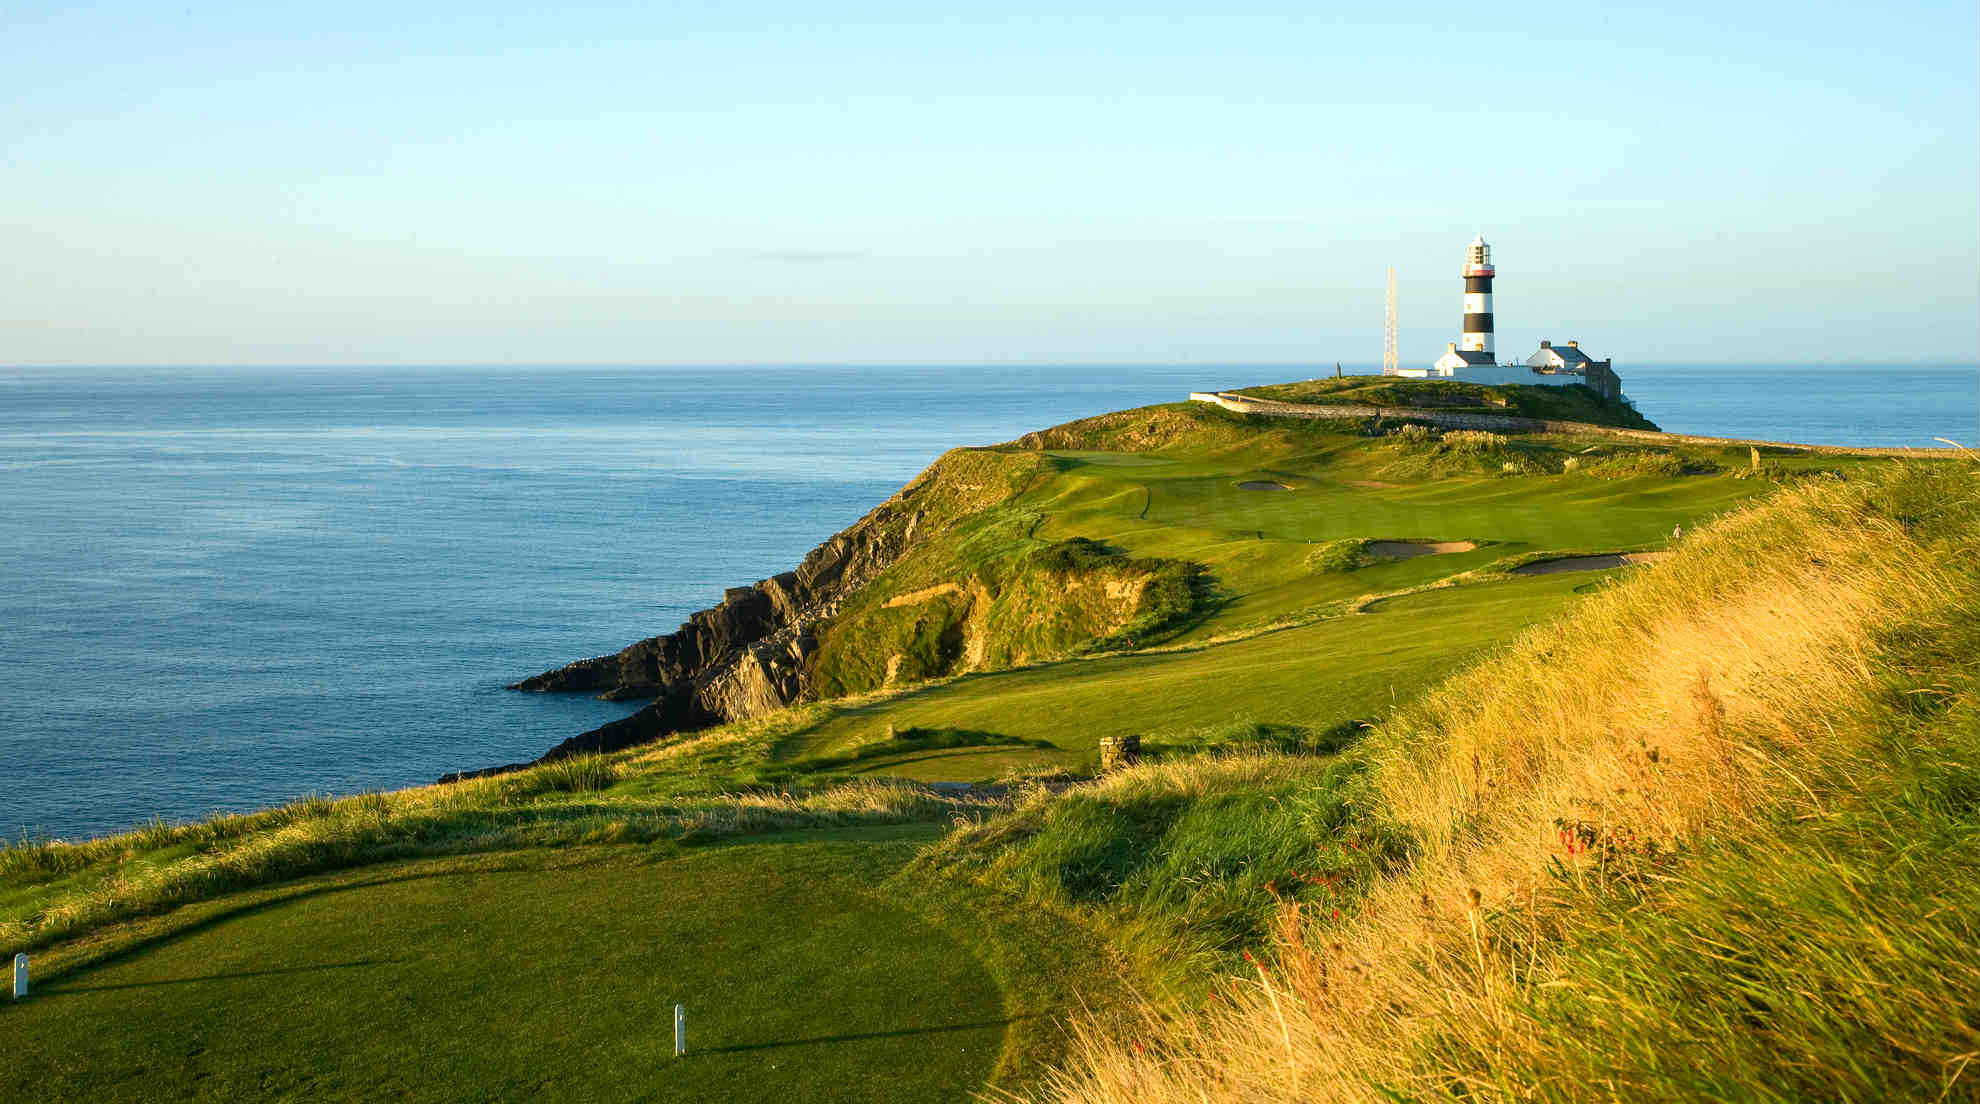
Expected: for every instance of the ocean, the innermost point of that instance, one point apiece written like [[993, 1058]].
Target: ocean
[[221, 590]]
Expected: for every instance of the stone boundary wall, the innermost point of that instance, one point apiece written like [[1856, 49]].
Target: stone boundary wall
[[1508, 423], [1450, 419]]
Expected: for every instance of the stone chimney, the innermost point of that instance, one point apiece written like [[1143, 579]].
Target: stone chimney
[[1546, 344], [1574, 344]]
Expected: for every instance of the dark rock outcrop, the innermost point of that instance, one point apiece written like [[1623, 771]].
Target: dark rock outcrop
[[750, 653], [482, 772], [743, 657]]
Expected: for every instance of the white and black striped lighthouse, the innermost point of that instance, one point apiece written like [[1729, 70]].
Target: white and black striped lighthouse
[[1477, 300]]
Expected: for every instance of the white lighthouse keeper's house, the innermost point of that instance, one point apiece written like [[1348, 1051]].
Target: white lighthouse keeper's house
[[1470, 359]]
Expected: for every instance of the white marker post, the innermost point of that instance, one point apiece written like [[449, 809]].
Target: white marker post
[[20, 976], [680, 1011]]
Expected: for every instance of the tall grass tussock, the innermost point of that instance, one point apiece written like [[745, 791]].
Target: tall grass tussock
[[1182, 862], [1715, 835]]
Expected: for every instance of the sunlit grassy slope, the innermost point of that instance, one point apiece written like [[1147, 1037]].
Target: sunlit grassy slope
[[1712, 835]]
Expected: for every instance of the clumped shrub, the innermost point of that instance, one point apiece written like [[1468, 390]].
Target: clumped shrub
[[1073, 554], [1628, 465], [1475, 442], [1412, 434], [1337, 557], [577, 774]]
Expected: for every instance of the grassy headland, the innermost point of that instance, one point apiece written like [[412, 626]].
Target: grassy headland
[[1562, 404], [1411, 823]]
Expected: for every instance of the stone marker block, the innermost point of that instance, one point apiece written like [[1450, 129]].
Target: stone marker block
[[1119, 751]]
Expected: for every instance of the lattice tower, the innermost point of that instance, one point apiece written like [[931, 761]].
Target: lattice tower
[[1390, 361]]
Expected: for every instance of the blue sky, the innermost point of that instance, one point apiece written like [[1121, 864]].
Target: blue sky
[[855, 182]]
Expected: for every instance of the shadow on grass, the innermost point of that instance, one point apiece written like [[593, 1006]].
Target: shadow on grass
[[60, 990], [899, 1033], [171, 927]]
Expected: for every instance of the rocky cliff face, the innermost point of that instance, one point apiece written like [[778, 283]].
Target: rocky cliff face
[[738, 659], [749, 655]]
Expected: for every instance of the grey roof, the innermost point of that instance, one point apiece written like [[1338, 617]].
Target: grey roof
[[1570, 355], [1473, 356]]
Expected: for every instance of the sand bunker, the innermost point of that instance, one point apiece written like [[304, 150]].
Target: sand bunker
[[1262, 485], [1403, 550], [1588, 563]]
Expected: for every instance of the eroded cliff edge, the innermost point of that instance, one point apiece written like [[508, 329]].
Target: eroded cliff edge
[[749, 654]]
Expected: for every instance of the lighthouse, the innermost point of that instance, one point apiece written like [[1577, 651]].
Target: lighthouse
[[1474, 349], [1477, 299]]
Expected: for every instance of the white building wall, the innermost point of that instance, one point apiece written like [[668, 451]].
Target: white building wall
[[1515, 373]]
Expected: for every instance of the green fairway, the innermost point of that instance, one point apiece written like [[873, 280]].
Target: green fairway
[[1257, 546], [1336, 671], [802, 981]]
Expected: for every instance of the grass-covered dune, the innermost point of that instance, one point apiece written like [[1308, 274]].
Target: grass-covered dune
[[1413, 821]]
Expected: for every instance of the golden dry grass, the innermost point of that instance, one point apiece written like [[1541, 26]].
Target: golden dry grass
[[1669, 801]]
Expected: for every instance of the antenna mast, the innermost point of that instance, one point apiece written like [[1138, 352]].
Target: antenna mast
[[1390, 361]]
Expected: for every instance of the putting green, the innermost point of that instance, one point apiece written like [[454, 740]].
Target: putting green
[[520, 983]]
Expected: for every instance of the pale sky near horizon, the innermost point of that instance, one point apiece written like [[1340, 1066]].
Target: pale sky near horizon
[[894, 183]]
